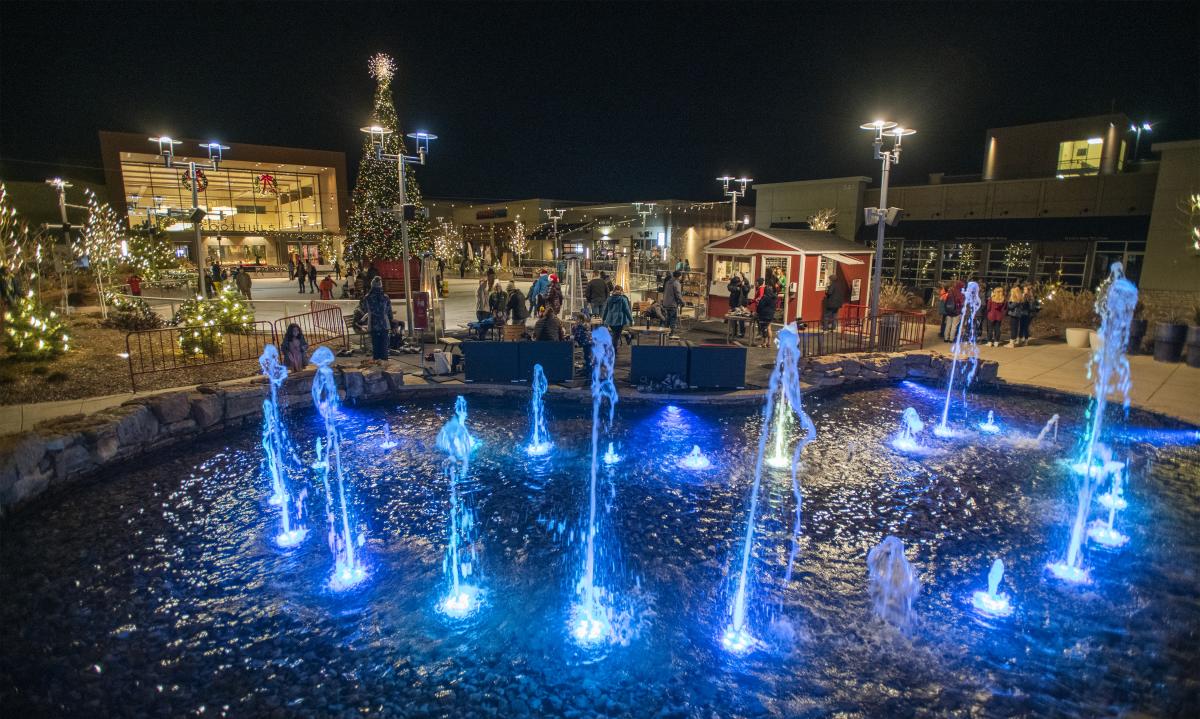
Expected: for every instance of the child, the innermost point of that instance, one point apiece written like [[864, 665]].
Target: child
[[581, 333], [326, 288], [996, 309], [294, 348]]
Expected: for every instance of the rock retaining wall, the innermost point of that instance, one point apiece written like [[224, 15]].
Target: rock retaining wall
[[59, 451]]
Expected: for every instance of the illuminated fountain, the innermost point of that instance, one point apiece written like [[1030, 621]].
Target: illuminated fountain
[[591, 618], [990, 426], [695, 460], [1051, 423], [539, 442], [388, 442], [321, 462], [892, 583], [971, 302], [779, 457], [610, 455], [993, 602], [460, 411], [348, 567], [785, 384], [275, 448], [1108, 369], [462, 598], [1101, 531], [910, 426]]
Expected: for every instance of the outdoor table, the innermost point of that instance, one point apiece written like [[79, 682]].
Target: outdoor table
[[659, 333], [751, 327]]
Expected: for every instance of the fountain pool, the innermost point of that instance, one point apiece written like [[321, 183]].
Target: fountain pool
[[159, 590]]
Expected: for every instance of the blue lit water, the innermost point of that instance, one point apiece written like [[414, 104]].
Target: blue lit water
[[159, 591]]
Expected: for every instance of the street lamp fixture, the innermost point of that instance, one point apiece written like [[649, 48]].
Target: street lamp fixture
[[378, 135], [733, 195], [554, 214], [1137, 130], [883, 215], [166, 148]]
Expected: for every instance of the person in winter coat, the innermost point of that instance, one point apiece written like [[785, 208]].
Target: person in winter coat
[[538, 289], [953, 308], [518, 310], [597, 294], [554, 296], [1017, 309], [672, 301], [294, 348], [549, 328], [243, 283], [737, 298], [766, 313], [379, 319], [482, 290], [135, 287], [835, 296], [497, 303], [996, 309], [312, 276], [617, 314], [326, 288], [581, 334], [1032, 307]]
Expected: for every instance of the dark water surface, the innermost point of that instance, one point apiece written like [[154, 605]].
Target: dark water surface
[[157, 591]]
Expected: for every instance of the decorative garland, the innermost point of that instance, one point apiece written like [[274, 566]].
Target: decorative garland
[[266, 184], [201, 180]]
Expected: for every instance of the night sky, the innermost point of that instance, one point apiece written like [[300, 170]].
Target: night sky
[[615, 101]]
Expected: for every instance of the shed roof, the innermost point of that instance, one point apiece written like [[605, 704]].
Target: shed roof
[[757, 239]]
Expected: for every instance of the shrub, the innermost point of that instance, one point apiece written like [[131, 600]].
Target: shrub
[[33, 330], [895, 296], [1070, 307], [131, 314], [206, 322]]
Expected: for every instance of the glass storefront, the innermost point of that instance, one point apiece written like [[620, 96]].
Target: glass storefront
[[246, 204]]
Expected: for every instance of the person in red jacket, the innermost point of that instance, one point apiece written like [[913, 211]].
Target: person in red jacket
[[997, 308], [135, 285]]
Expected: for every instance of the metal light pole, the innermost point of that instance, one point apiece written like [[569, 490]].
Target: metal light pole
[[555, 214], [880, 215], [1137, 130], [60, 188], [378, 135], [166, 148], [733, 195]]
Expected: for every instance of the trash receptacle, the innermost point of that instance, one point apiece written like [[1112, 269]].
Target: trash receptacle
[[889, 333]]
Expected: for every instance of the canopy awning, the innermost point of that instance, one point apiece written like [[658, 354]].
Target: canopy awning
[[844, 259]]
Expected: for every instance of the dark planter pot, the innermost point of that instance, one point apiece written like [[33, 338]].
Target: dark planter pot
[[1168, 341], [1137, 332], [1193, 346]]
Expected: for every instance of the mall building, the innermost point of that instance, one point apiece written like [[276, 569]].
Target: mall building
[[1054, 201], [652, 234], [263, 203]]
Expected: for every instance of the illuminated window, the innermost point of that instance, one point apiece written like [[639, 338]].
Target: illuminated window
[[1079, 157]]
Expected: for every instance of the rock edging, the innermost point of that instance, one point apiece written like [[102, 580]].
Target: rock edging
[[65, 449]]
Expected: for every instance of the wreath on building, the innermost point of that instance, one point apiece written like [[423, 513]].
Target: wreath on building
[[201, 180], [266, 184]]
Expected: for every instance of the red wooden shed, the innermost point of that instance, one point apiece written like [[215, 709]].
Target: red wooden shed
[[807, 259]]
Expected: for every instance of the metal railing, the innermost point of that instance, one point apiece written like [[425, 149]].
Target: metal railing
[[154, 352], [323, 324], [898, 330]]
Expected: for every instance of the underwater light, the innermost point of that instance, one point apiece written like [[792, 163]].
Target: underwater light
[[737, 641], [1069, 573], [1101, 533], [346, 576], [460, 604], [291, 538], [994, 605]]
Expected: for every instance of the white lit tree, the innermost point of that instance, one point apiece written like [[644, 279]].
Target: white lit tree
[[103, 242], [446, 242], [518, 241], [823, 220]]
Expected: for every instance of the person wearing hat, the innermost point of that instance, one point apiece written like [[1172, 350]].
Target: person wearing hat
[[554, 297], [379, 318]]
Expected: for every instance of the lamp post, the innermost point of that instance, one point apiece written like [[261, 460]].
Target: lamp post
[[555, 214], [60, 189], [378, 135], [166, 148], [1138, 130], [882, 214], [733, 195]]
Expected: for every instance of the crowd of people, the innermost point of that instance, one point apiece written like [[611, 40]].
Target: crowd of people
[[758, 302], [1018, 303]]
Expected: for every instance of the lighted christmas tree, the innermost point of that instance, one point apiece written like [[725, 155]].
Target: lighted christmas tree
[[32, 330], [372, 234], [206, 322]]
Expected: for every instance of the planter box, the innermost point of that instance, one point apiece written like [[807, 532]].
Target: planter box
[[1078, 337]]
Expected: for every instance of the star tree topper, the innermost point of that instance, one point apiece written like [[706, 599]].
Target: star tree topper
[[382, 66]]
